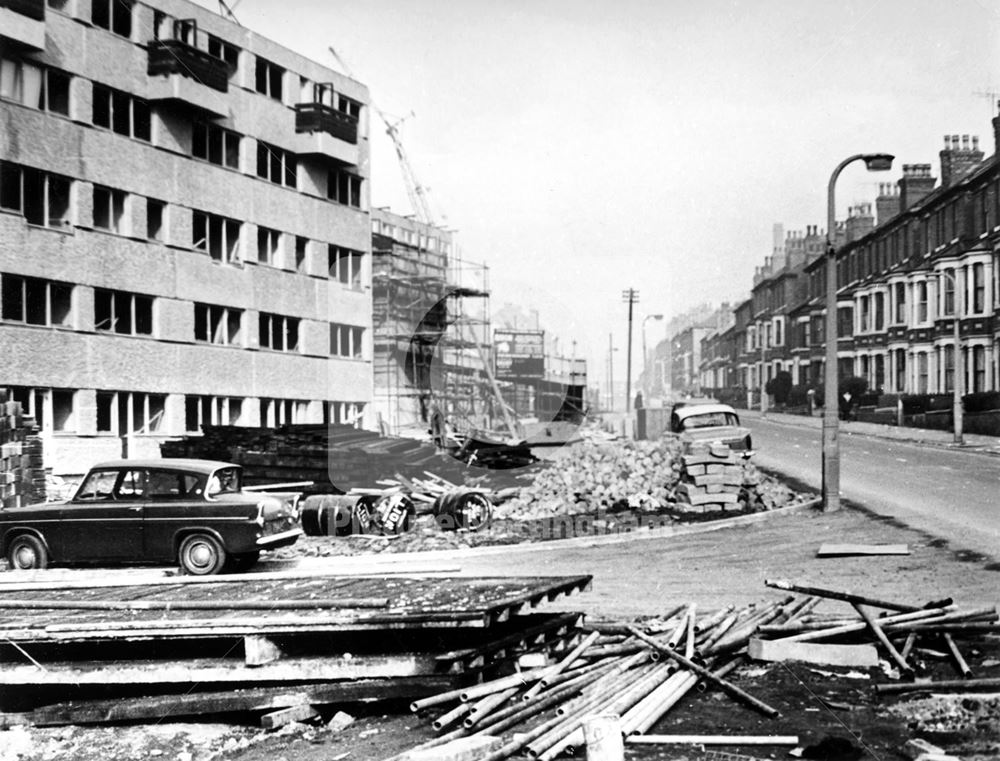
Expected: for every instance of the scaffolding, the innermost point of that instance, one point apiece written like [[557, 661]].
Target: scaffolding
[[431, 331]]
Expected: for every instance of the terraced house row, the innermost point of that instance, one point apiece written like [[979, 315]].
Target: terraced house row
[[184, 227], [927, 255]]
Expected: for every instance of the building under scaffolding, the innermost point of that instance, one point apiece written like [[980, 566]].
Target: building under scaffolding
[[433, 352], [539, 387]]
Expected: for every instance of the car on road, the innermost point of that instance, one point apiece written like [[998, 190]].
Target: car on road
[[194, 512], [710, 423]]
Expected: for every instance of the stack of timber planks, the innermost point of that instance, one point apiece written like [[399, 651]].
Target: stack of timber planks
[[98, 651], [336, 458], [22, 473]]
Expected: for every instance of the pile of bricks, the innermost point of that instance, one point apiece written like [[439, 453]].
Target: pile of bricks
[[712, 479], [22, 473]]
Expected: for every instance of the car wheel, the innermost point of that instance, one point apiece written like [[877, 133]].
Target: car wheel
[[27, 552], [201, 555], [243, 560]]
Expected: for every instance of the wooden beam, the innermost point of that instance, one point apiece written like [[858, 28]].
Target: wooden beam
[[168, 605], [48, 580], [713, 740], [844, 550], [230, 701], [210, 670], [778, 650], [283, 716]]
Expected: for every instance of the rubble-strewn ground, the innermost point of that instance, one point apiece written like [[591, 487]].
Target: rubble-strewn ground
[[589, 488], [642, 579]]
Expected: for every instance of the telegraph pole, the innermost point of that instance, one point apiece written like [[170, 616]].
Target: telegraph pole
[[632, 297]]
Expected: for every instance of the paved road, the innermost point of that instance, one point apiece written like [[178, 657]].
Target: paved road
[[954, 495]]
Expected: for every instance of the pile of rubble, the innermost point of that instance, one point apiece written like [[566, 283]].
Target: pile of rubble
[[648, 476]]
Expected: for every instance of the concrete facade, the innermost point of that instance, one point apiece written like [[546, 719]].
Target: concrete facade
[[175, 191]]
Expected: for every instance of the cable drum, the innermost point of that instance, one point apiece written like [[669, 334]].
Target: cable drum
[[392, 514], [329, 515], [463, 509]]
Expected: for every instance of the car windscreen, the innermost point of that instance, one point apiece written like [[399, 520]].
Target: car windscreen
[[224, 481], [99, 484], [710, 420]]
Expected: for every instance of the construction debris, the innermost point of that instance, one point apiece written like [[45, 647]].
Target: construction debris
[[619, 669], [845, 550], [393, 508], [335, 458], [122, 653], [714, 740], [595, 476]]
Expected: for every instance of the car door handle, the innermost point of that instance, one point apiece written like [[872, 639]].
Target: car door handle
[[136, 508]]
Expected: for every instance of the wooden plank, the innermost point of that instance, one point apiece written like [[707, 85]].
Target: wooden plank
[[460, 749], [714, 740], [168, 605], [229, 701], [861, 656], [843, 550], [283, 716], [213, 670], [16, 581]]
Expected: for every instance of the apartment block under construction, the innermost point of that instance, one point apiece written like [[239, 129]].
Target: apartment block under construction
[[431, 325]]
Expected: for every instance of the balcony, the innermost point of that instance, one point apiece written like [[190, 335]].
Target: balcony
[[185, 73], [319, 117], [324, 131], [23, 22]]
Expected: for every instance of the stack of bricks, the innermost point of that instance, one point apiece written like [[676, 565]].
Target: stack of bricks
[[22, 473], [711, 479]]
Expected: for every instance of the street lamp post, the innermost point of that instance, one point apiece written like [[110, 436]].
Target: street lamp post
[[958, 366], [874, 162], [645, 355]]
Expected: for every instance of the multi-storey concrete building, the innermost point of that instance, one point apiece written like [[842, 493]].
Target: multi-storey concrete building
[[184, 227]]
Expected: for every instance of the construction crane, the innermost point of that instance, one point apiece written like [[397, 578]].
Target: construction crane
[[991, 95], [416, 192]]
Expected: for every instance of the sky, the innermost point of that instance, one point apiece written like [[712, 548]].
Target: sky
[[581, 148]]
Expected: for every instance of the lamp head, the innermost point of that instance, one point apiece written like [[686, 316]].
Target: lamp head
[[878, 162]]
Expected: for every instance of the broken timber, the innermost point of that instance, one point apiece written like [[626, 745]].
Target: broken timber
[[229, 701], [860, 656]]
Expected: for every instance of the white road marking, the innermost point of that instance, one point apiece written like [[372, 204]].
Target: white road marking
[[900, 459]]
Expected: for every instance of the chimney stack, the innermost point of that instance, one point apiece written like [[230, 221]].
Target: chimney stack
[[958, 159], [887, 202], [915, 183], [859, 222]]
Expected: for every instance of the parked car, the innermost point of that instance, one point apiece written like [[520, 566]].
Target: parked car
[[710, 423], [194, 512]]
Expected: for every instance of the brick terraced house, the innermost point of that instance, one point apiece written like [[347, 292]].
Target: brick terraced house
[[926, 257]]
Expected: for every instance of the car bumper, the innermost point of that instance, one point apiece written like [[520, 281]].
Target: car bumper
[[282, 539]]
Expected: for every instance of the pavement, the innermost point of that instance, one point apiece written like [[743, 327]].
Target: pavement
[[975, 443]]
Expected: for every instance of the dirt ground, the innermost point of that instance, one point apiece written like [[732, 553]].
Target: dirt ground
[[639, 578]]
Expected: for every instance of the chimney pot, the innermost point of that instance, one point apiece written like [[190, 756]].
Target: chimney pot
[[947, 142], [975, 142], [965, 142]]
